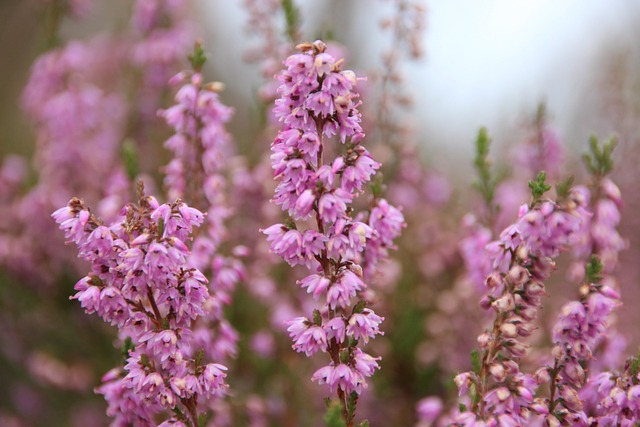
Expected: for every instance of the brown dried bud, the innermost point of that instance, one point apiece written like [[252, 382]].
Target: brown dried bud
[[214, 87], [304, 47]]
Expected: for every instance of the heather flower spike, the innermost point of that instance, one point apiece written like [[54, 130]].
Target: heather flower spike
[[522, 260], [197, 172], [318, 101], [141, 282], [584, 327]]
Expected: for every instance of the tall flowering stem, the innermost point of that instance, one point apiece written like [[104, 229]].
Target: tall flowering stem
[[585, 323], [579, 327], [141, 281], [480, 231], [318, 101], [523, 259], [407, 25], [200, 145]]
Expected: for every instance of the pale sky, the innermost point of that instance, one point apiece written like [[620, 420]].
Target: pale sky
[[491, 61], [488, 63]]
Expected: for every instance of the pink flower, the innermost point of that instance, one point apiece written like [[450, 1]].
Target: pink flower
[[311, 340], [315, 284], [429, 408], [364, 325], [364, 363], [335, 328]]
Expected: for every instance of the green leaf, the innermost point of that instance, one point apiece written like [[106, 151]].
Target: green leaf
[[485, 185], [352, 341], [564, 187], [377, 185], [588, 162], [473, 393], [199, 358], [351, 404], [144, 359], [180, 415], [130, 158], [317, 318], [634, 369], [593, 270], [539, 186], [476, 362], [96, 281], [202, 419], [462, 407], [127, 346], [197, 57], [292, 18], [333, 416], [160, 226], [599, 161], [290, 223], [359, 307]]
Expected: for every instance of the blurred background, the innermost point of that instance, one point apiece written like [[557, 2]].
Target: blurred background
[[485, 64]]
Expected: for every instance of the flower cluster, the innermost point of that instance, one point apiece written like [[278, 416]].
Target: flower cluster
[[522, 261], [600, 235], [141, 281], [585, 326], [317, 101], [388, 222], [579, 327], [617, 396]]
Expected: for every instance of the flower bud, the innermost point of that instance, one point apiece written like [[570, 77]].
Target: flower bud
[[498, 372], [484, 340], [493, 280], [509, 330], [535, 288], [575, 373], [571, 399], [517, 275], [542, 375], [504, 304]]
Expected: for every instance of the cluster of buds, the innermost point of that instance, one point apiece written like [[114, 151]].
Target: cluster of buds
[[523, 259], [579, 327], [585, 325], [618, 396]]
